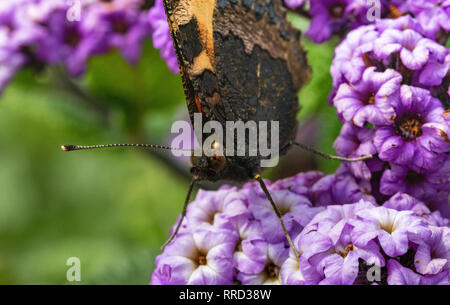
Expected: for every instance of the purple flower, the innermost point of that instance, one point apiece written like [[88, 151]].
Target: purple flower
[[371, 99], [404, 46], [269, 272], [414, 49], [419, 131], [442, 278], [338, 16], [333, 245], [335, 219], [39, 10], [340, 263], [393, 229], [326, 245], [354, 142], [441, 207], [299, 184], [435, 71], [436, 219], [348, 63], [126, 30], [433, 15], [37, 32], [216, 208], [433, 254], [328, 16], [296, 271], [398, 44], [70, 43], [400, 275], [295, 209], [201, 258], [17, 32], [340, 188], [405, 202], [432, 187], [161, 35], [249, 256], [400, 23], [17, 35]]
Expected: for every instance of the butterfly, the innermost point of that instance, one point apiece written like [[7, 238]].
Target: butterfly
[[240, 61]]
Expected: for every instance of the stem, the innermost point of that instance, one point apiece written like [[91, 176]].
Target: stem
[[101, 109]]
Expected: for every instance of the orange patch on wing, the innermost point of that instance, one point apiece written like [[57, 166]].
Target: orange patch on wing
[[198, 104], [203, 12]]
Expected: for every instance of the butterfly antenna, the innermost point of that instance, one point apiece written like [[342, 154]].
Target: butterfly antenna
[[82, 147], [183, 214], [280, 218], [330, 157]]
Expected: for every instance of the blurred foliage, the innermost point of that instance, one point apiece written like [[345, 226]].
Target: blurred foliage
[[314, 101], [314, 96], [112, 209]]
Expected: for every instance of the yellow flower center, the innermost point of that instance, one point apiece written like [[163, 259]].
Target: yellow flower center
[[346, 251], [201, 260], [390, 228], [272, 270], [409, 128]]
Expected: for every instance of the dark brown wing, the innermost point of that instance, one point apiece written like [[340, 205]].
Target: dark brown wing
[[260, 63], [240, 60]]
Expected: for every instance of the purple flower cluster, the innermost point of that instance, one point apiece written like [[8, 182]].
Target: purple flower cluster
[[390, 90], [223, 241], [433, 15], [34, 33], [232, 236], [330, 17], [350, 243]]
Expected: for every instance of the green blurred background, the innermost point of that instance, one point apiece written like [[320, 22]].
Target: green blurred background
[[112, 209]]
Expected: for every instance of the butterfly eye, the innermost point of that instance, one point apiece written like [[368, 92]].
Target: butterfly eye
[[216, 145]]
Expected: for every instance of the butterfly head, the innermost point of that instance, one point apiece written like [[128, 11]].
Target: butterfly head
[[208, 168]]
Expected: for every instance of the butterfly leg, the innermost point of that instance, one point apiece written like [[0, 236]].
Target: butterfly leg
[[183, 214], [277, 212]]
